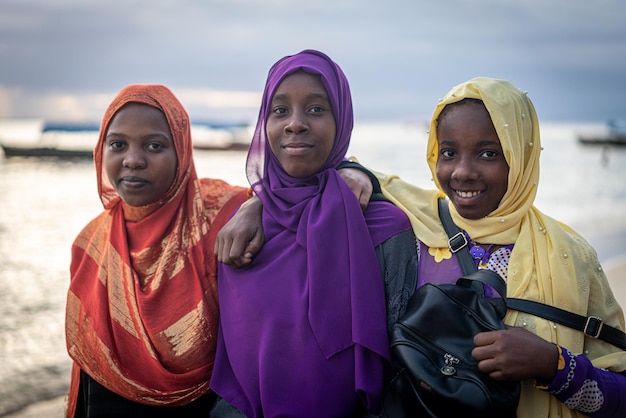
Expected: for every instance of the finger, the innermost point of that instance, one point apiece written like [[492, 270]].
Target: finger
[[242, 251], [254, 245], [481, 353], [239, 262], [221, 247], [225, 254], [237, 247], [487, 366], [485, 338], [498, 375], [494, 369]]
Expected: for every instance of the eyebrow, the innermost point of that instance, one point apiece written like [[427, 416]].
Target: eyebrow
[[486, 142], [144, 137], [320, 96]]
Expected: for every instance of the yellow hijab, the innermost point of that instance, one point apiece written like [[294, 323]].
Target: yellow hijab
[[550, 262]]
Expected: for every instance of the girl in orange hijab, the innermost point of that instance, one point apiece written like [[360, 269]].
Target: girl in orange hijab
[[142, 309]]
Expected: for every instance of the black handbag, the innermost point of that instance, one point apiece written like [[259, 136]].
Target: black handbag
[[431, 346]]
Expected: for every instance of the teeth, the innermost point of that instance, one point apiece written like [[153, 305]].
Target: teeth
[[467, 194]]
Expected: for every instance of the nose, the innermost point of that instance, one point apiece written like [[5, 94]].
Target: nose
[[464, 170], [134, 158], [296, 123]]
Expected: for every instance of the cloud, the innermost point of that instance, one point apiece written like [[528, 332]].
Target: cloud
[[17, 102], [400, 56], [202, 104]]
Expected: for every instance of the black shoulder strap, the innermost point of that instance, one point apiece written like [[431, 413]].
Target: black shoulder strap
[[591, 326], [488, 277], [457, 241]]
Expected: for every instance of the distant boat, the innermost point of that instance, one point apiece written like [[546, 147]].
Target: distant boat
[[70, 127], [608, 139], [20, 151], [53, 139], [614, 133], [77, 140]]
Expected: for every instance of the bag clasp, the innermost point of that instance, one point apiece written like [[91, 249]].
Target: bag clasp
[[448, 365]]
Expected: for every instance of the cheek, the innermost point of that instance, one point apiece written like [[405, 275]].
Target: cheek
[[109, 164], [273, 147], [503, 177], [272, 138], [174, 164], [441, 173], [504, 186], [328, 150], [329, 142]]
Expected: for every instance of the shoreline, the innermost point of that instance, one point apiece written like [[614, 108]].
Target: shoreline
[[614, 268]]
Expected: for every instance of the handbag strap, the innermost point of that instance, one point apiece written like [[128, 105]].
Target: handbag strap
[[591, 326], [459, 245], [458, 240], [488, 277], [493, 279]]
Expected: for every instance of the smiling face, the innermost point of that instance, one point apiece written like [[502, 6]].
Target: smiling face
[[139, 156], [471, 167], [301, 126]]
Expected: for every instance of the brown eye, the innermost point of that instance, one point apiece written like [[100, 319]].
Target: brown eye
[[279, 110], [447, 153], [155, 146], [116, 145]]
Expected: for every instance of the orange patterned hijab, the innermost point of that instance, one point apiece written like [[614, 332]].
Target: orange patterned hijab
[[142, 310]]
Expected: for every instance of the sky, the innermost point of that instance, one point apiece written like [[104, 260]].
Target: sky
[[65, 60]]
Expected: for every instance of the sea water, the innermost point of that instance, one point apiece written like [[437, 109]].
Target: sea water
[[44, 203]]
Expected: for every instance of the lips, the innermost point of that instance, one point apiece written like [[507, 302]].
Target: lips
[[297, 148], [132, 182]]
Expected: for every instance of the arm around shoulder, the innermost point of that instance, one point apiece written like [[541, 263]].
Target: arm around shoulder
[[242, 237]]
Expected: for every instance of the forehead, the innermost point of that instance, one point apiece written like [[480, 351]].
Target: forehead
[[300, 81], [138, 115], [473, 107], [465, 117], [139, 110]]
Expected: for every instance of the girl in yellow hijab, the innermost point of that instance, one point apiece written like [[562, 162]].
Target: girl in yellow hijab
[[483, 151]]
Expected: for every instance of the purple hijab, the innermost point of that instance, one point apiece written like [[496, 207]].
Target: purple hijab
[[303, 329]]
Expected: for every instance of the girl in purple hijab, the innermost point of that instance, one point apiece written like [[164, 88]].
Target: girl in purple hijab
[[303, 328]]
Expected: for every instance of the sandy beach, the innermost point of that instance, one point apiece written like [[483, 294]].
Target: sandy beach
[[54, 408]]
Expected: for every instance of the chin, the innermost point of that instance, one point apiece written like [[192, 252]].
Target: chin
[[469, 214]]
